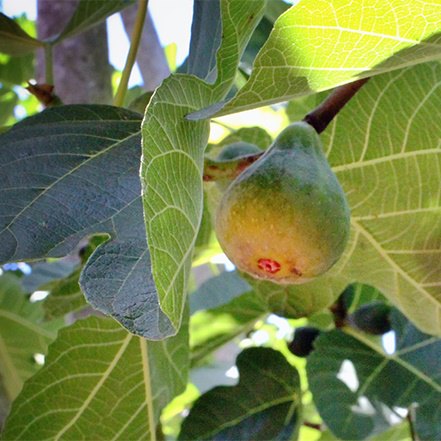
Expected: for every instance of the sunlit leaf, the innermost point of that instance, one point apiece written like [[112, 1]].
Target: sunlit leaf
[[14, 40], [172, 162], [385, 148], [318, 45], [97, 368], [75, 173], [22, 335]]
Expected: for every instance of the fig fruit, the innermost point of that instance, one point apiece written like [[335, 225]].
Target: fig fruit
[[372, 318], [236, 150], [285, 218], [303, 341]]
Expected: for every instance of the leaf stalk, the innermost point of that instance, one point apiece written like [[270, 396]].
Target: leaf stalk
[[49, 64], [131, 56]]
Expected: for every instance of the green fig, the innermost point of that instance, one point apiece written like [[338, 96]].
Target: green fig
[[285, 218], [237, 150]]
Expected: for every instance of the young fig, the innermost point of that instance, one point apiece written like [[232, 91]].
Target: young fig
[[303, 342], [285, 218]]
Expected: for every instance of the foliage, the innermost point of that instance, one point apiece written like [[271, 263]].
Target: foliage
[[114, 209]]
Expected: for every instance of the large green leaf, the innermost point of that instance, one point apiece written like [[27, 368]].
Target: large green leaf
[[97, 368], [70, 172], [356, 385], [89, 13], [14, 40], [172, 163], [22, 335], [264, 405], [385, 148], [318, 45]]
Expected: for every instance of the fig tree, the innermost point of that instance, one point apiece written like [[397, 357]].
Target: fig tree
[[285, 218]]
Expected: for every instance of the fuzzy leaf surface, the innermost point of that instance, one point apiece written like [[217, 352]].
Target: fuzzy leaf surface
[[172, 160], [68, 173], [95, 367], [385, 148], [318, 45]]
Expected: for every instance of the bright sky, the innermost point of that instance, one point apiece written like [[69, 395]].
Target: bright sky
[[171, 27]]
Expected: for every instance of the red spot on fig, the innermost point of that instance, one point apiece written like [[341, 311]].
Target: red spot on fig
[[296, 272], [269, 265]]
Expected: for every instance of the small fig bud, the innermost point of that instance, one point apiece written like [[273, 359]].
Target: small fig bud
[[372, 318], [302, 343]]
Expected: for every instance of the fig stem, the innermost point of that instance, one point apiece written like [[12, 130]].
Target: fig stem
[[322, 115]]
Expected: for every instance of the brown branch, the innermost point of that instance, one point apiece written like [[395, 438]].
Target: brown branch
[[312, 425], [321, 116]]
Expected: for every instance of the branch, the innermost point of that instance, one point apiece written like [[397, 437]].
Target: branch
[[320, 117], [131, 56]]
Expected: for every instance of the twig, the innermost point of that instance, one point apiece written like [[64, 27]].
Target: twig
[[313, 425], [131, 56], [320, 117]]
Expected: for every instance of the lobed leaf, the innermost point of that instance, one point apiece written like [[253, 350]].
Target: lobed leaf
[[356, 385], [172, 160], [264, 405], [70, 172], [317, 45], [97, 368], [385, 148]]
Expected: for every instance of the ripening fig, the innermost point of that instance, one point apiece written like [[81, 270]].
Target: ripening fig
[[285, 218]]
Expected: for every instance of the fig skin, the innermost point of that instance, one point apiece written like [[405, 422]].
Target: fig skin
[[285, 218], [237, 150]]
